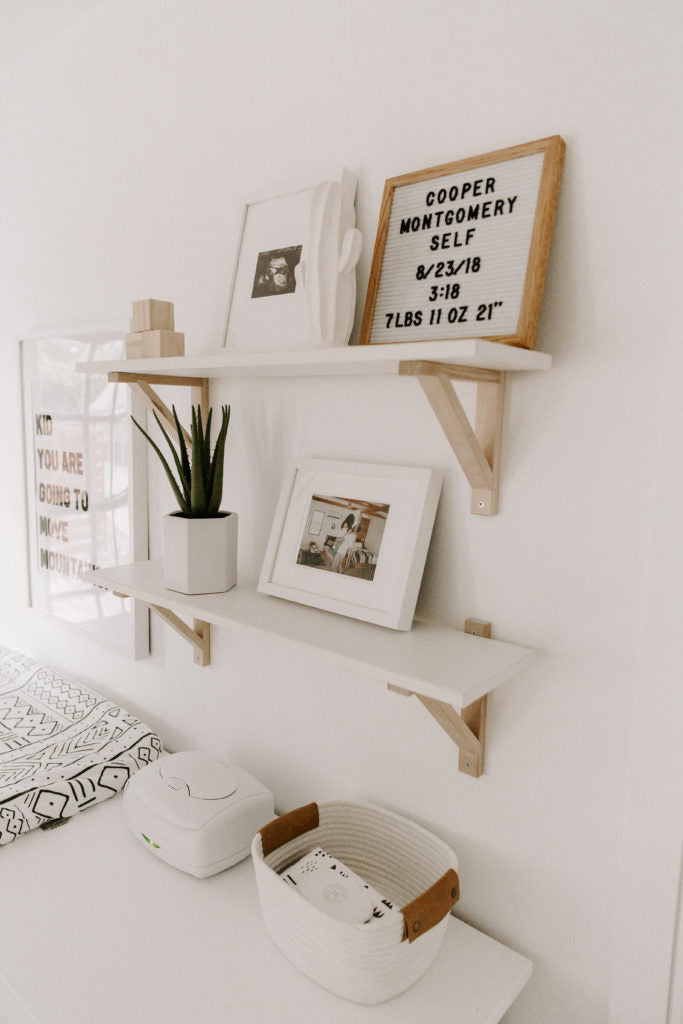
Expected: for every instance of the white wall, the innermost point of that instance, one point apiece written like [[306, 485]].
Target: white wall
[[128, 143]]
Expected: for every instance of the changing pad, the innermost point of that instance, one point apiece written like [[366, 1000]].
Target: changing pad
[[63, 747]]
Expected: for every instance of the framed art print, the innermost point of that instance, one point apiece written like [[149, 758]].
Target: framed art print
[[461, 249], [352, 538], [85, 484], [294, 281]]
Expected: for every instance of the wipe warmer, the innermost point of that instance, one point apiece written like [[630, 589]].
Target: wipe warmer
[[196, 812]]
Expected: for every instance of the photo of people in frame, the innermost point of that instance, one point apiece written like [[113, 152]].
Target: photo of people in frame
[[274, 273], [343, 535]]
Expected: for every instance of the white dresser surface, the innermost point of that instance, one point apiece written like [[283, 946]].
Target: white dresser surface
[[96, 930]]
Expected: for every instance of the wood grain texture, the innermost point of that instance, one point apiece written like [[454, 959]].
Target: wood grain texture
[[553, 149]]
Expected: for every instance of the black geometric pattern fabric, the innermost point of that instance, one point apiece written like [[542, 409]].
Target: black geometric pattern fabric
[[62, 746]]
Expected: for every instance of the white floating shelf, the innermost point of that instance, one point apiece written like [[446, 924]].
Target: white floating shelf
[[432, 660], [349, 359], [435, 364]]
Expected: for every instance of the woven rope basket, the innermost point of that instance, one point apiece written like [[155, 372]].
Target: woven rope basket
[[366, 963]]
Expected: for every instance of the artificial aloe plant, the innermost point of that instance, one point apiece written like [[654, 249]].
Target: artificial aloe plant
[[199, 487]]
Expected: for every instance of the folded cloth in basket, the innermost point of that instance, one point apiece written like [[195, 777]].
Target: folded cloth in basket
[[62, 746], [333, 887]]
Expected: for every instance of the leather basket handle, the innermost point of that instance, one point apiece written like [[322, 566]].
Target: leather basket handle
[[280, 830], [427, 910], [419, 915]]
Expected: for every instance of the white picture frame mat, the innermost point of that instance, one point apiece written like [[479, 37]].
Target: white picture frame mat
[[356, 591], [275, 322], [410, 492]]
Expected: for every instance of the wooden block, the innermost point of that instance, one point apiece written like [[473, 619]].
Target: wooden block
[[162, 343], [479, 627], [134, 346], [153, 315]]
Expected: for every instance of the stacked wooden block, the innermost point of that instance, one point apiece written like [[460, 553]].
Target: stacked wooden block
[[154, 331]]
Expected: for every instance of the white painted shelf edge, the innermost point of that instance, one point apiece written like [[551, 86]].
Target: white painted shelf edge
[[431, 659], [349, 359]]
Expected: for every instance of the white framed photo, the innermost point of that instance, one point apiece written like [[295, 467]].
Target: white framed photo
[[294, 279], [352, 538]]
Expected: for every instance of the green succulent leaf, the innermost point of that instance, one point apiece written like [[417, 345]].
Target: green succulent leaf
[[182, 476], [199, 487], [215, 483], [184, 505], [184, 458], [206, 461]]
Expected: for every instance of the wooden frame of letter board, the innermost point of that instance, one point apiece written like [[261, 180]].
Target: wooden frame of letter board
[[539, 248]]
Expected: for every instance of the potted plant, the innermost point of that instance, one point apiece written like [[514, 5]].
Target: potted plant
[[200, 540]]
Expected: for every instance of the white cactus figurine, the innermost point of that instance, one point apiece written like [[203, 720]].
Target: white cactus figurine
[[328, 275]]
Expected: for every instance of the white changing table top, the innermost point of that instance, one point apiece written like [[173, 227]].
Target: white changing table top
[[96, 929]]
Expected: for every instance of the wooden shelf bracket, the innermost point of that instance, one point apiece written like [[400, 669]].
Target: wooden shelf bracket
[[477, 448], [140, 383], [199, 636], [466, 728]]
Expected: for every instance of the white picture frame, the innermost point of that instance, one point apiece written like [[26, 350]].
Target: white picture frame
[[85, 479], [393, 510], [294, 277]]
